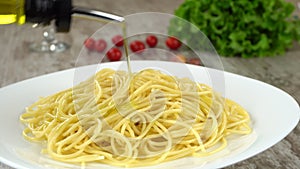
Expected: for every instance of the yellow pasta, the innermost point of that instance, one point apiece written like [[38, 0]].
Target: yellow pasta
[[138, 120]]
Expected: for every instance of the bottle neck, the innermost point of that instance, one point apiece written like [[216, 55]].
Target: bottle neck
[[44, 11]]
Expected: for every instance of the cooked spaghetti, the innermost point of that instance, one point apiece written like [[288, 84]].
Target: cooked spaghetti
[[138, 120]]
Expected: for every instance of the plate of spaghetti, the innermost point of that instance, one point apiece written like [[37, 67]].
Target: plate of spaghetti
[[159, 114]]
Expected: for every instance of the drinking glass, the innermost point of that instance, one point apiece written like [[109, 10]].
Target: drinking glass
[[49, 43]]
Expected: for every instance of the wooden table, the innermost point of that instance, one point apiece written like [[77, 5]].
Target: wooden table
[[18, 63]]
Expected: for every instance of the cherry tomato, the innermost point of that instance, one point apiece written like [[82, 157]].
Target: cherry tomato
[[89, 43], [194, 61], [100, 45], [118, 40], [173, 43], [137, 46], [114, 54], [151, 40]]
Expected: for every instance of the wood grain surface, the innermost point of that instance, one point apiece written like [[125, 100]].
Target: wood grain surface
[[19, 63]]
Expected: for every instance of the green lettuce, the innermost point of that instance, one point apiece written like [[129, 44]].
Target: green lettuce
[[255, 28]]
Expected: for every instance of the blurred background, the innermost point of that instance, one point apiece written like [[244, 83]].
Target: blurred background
[[282, 70]]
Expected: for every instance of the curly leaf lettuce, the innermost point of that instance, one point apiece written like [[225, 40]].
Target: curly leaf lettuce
[[256, 28]]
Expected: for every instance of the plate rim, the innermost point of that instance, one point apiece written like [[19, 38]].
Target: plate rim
[[72, 71]]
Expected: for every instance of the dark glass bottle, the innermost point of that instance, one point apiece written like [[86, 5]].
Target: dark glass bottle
[[37, 11]]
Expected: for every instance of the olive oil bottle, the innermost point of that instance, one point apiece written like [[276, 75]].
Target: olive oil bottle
[[37, 11], [12, 11]]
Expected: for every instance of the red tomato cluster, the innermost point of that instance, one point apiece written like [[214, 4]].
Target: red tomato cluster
[[93, 45], [115, 54]]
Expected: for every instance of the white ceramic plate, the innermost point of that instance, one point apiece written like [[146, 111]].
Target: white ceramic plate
[[274, 112]]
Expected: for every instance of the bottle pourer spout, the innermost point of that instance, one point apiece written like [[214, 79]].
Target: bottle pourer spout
[[97, 14]]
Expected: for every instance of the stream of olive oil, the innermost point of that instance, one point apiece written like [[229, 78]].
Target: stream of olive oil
[[126, 47]]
